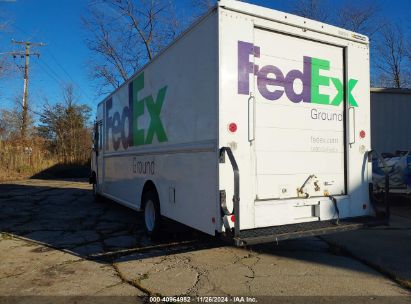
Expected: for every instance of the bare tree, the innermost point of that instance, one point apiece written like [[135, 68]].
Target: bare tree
[[312, 9], [3, 26], [126, 34], [4, 22], [360, 17], [409, 53], [391, 56], [201, 6], [10, 124], [65, 127], [4, 64]]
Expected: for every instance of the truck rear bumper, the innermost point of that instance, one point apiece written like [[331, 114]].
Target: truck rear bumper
[[285, 232]]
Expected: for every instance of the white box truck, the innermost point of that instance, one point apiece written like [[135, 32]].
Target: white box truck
[[253, 123]]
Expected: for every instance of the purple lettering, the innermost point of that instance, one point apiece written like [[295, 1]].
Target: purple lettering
[[109, 120], [305, 78], [245, 67], [125, 140], [116, 129], [263, 81]]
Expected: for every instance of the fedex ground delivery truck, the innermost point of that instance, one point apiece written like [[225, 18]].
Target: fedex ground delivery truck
[[254, 123]]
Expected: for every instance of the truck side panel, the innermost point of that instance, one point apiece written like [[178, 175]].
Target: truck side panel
[[161, 126]]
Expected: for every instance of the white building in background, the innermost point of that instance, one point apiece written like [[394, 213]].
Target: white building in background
[[390, 119]]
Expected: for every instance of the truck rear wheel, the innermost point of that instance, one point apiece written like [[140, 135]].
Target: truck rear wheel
[[93, 181], [152, 215], [97, 197]]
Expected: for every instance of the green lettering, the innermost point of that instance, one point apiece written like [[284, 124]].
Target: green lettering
[[340, 92], [154, 108], [317, 80], [138, 110], [351, 85]]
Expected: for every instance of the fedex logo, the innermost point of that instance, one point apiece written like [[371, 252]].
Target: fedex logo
[[270, 75], [125, 126]]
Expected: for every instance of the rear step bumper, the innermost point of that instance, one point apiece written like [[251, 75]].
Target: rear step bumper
[[285, 232]]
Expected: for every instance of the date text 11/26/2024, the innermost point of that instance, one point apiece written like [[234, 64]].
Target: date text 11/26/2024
[[203, 299]]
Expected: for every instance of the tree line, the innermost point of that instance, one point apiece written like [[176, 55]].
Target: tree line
[[390, 46], [123, 35], [61, 135]]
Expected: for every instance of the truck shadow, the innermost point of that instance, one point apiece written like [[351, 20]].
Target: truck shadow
[[64, 172], [62, 214]]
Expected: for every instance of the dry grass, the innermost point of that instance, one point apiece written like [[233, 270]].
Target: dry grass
[[33, 158], [18, 162]]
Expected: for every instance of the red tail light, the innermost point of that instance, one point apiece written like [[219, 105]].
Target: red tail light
[[232, 127]]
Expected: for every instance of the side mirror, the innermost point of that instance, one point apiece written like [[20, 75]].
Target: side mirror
[[95, 139]]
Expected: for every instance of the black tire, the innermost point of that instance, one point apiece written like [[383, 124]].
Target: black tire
[[152, 214], [97, 197]]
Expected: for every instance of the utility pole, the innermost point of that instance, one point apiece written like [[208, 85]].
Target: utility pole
[[26, 54]]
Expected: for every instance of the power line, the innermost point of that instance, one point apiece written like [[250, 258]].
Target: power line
[[50, 73], [59, 65], [26, 55], [69, 76]]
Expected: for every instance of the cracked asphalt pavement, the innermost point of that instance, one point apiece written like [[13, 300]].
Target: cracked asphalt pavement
[[56, 240]]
